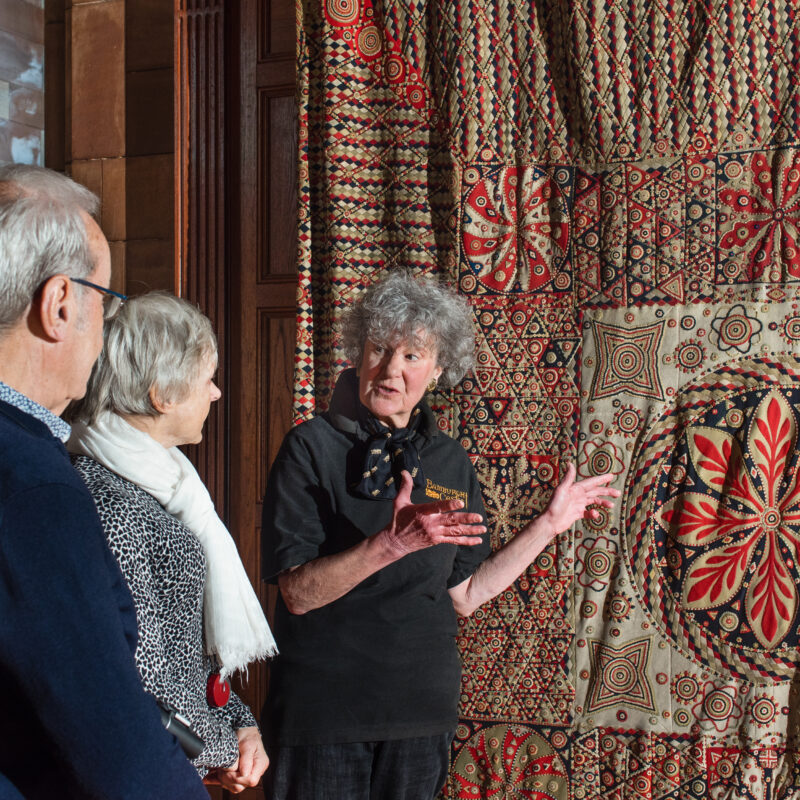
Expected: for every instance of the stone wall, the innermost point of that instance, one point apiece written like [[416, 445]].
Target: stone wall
[[109, 94], [22, 81]]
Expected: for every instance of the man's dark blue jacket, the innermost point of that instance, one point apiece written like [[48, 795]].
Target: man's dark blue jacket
[[74, 719]]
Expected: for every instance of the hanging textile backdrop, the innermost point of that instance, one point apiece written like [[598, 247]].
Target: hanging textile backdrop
[[616, 189]]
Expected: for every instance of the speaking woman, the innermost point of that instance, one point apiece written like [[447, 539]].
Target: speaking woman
[[374, 532]]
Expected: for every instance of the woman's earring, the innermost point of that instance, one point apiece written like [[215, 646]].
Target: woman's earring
[[432, 385]]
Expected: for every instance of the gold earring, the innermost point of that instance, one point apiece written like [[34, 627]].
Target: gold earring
[[432, 385]]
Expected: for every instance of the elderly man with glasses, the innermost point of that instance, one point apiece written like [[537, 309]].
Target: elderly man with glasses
[[74, 719]]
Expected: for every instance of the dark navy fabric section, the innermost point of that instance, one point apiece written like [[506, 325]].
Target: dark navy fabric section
[[74, 719]]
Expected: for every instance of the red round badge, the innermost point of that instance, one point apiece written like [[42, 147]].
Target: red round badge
[[218, 691]]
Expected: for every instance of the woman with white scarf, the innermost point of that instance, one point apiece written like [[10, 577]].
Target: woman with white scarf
[[198, 617]]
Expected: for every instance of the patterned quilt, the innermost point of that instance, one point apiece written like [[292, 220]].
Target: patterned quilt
[[615, 186]]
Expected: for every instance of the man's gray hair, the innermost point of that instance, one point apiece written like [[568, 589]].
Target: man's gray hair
[[42, 233], [401, 307], [154, 341]]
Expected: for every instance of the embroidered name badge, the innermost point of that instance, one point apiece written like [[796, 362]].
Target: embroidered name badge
[[438, 492]]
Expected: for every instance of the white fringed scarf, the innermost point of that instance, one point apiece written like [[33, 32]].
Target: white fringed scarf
[[236, 631]]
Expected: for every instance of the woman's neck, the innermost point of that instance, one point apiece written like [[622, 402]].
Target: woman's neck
[[153, 427]]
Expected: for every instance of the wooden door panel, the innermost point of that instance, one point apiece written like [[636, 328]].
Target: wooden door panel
[[276, 29], [276, 359], [277, 123], [262, 129]]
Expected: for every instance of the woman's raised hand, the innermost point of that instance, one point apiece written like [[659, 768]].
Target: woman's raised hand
[[572, 500], [417, 526]]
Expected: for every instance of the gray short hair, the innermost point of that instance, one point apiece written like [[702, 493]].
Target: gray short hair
[[154, 341], [42, 234], [402, 307]]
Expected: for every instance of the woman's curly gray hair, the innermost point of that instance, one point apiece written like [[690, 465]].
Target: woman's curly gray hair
[[401, 307]]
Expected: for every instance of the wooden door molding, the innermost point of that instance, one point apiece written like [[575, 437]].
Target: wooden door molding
[[236, 244], [262, 157], [200, 199]]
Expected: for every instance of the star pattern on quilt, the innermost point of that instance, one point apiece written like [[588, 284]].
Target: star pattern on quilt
[[514, 651], [619, 675], [760, 216], [626, 360]]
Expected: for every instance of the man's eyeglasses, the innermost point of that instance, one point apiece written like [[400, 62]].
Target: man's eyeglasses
[[112, 301]]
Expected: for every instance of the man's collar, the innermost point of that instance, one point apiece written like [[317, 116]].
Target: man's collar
[[59, 428]]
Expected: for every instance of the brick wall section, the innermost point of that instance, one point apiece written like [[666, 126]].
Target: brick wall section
[[150, 138], [111, 106]]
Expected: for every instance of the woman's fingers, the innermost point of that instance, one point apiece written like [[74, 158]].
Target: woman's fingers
[[469, 527], [454, 524], [460, 518], [599, 483], [404, 491], [603, 502], [427, 524], [440, 507], [465, 540], [432, 528], [443, 511], [458, 528], [606, 477]]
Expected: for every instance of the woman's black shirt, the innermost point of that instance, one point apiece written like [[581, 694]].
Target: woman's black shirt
[[380, 662]]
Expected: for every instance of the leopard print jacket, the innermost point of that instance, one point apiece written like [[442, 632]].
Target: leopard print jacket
[[165, 567]]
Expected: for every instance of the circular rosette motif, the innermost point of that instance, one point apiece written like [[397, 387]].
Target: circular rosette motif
[[598, 457], [369, 42], [718, 708], [735, 329], [628, 420], [342, 13], [760, 213], [508, 761], [516, 229], [690, 356], [764, 710], [712, 519], [595, 561]]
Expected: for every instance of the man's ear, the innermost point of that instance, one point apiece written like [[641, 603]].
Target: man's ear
[[56, 305]]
